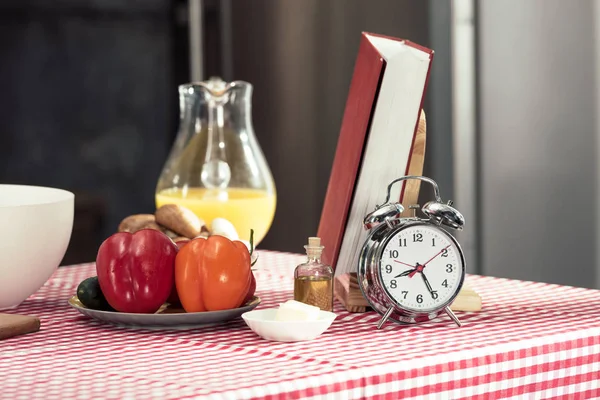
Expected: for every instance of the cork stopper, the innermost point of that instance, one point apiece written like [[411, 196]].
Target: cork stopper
[[314, 242], [314, 248]]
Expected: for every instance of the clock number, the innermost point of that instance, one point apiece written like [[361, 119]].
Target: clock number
[[432, 242], [445, 253], [405, 292], [419, 298], [434, 294], [449, 268], [394, 253], [417, 237], [445, 283], [388, 269], [402, 242], [393, 284]]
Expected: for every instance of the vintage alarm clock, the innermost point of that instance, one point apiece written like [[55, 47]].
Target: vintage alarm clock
[[411, 269]]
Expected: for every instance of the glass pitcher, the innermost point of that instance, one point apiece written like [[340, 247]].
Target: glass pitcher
[[216, 167]]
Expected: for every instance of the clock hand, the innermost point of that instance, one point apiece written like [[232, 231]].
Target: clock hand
[[440, 252], [420, 267], [427, 284], [408, 271], [400, 262]]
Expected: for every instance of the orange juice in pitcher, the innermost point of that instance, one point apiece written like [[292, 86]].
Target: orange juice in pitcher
[[236, 209], [216, 167]]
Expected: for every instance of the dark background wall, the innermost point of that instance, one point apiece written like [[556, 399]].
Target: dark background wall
[[88, 103], [300, 57], [89, 96]]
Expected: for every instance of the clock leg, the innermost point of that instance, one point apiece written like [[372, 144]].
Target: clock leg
[[385, 317], [454, 317]]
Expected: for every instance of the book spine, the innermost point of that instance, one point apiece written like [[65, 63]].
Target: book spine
[[368, 70]]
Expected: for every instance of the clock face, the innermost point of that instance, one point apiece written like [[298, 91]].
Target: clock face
[[421, 268]]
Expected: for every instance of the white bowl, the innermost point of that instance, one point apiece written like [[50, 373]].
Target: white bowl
[[35, 229], [263, 323]]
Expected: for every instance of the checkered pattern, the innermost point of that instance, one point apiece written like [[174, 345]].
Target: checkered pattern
[[532, 340]]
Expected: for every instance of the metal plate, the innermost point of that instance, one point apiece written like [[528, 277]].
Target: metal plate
[[165, 317]]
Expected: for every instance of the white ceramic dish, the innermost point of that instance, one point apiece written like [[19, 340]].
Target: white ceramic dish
[[263, 323], [35, 229], [165, 318]]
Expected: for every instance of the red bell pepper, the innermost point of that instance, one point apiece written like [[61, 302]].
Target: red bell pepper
[[136, 271], [251, 289]]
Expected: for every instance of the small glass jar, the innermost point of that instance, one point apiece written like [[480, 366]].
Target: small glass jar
[[313, 280]]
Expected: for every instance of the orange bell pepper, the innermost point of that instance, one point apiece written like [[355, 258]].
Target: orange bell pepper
[[212, 274]]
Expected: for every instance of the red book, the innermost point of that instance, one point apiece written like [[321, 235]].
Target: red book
[[375, 142]]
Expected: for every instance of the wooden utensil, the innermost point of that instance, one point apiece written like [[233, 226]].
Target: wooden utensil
[[14, 324], [347, 291], [417, 160]]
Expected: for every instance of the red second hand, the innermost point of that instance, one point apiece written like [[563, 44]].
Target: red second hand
[[400, 262], [421, 267]]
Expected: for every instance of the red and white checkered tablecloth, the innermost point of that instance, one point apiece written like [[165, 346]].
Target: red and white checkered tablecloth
[[532, 340]]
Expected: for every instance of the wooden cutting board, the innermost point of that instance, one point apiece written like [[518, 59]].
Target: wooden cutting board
[[14, 324], [417, 161], [348, 293]]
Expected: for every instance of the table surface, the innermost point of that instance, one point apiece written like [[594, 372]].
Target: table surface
[[531, 339]]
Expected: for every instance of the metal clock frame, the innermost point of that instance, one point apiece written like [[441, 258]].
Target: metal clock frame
[[369, 265]]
